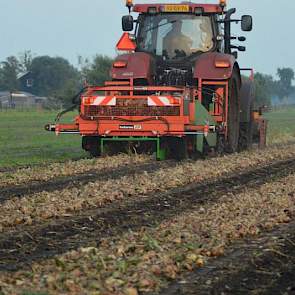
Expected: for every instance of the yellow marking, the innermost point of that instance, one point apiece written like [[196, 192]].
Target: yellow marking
[[177, 8]]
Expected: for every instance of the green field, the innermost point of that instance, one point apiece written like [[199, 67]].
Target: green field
[[281, 125], [23, 140]]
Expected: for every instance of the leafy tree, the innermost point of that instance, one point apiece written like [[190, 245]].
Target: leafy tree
[[54, 76], [66, 94], [264, 86], [285, 88], [97, 71], [9, 70]]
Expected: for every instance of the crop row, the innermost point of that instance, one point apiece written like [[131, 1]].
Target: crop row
[[66, 202], [148, 259], [45, 173]]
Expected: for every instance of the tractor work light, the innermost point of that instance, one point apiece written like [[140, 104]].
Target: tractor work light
[[120, 64], [222, 3], [129, 3], [222, 64]]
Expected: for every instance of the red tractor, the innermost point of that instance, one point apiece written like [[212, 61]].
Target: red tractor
[[177, 88]]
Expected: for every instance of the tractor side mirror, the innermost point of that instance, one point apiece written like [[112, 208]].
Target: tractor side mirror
[[127, 23], [242, 39], [247, 23]]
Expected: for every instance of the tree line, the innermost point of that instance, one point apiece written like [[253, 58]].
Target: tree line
[[53, 77], [268, 88], [56, 77]]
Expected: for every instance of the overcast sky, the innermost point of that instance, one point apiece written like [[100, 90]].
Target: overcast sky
[[69, 28]]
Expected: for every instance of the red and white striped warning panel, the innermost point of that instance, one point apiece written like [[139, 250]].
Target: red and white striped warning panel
[[163, 101], [152, 101], [100, 100]]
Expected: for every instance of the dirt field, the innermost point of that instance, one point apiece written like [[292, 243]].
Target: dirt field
[[264, 265], [130, 225]]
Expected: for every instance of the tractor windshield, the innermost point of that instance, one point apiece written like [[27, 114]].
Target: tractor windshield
[[176, 35]]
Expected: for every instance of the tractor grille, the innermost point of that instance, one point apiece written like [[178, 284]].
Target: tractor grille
[[117, 111]]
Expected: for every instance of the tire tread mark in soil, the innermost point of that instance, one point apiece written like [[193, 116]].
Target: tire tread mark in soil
[[77, 180], [263, 265], [59, 236]]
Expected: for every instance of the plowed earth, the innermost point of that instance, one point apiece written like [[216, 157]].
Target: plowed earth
[[133, 226], [264, 265]]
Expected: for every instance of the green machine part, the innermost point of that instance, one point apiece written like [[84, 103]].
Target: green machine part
[[202, 118]]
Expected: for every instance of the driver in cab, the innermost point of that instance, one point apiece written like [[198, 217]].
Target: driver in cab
[[175, 43]]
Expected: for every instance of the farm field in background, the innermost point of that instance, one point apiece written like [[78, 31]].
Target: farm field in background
[[281, 124], [23, 140]]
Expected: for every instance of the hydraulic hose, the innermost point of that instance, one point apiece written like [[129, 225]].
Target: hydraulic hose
[[76, 101]]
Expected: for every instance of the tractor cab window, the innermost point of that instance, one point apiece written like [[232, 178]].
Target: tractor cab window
[[175, 35]]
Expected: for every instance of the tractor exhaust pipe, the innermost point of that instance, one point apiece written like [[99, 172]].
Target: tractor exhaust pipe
[[227, 29]]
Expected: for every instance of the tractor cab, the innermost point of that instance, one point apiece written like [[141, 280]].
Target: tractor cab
[[175, 36]]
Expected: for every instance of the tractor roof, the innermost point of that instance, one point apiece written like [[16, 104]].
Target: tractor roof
[[187, 7]]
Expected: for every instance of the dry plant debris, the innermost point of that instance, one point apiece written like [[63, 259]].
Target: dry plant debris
[[59, 203], [44, 173], [281, 137], [148, 259]]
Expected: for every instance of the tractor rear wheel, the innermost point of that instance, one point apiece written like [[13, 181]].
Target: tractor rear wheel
[[247, 120], [220, 147], [246, 133], [233, 122]]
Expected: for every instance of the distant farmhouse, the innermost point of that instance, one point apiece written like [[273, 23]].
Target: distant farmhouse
[[20, 100], [23, 98], [26, 81]]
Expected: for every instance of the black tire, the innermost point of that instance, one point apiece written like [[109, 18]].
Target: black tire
[[247, 133], [178, 148], [220, 147], [233, 123], [247, 124], [91, 144]]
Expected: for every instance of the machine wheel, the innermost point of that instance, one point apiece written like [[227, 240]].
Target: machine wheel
[[91, 144], [246, 133], [247, 123], [178, 148], [220, 147], [233, 123], [181, 149]]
